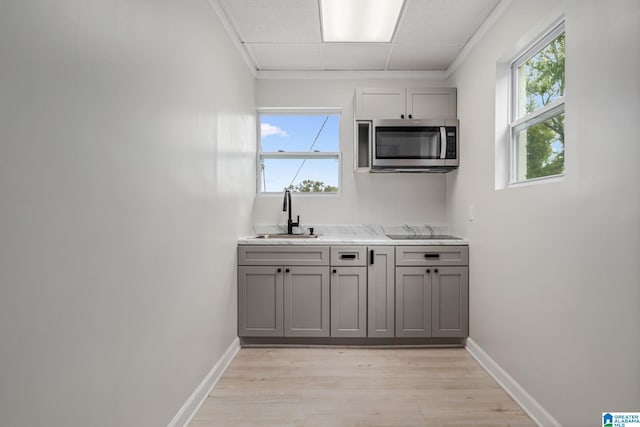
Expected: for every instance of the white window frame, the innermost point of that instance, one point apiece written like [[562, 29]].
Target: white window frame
[[517, 124], [337, 155]]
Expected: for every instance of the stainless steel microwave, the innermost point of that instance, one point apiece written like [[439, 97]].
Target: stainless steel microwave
[[414, 145]]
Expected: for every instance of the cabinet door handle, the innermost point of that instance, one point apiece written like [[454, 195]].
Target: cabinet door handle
[[428, 270], [435, 271], [371, 256], [286, 270], [402, 116], [411, 116], [279, 270], [335, 271]]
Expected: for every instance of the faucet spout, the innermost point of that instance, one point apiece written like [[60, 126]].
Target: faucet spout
[[286, 206]]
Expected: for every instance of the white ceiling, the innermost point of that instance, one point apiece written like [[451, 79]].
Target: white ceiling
[[285, 35]]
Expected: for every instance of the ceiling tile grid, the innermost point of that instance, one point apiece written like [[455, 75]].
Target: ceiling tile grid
[[285, 35]]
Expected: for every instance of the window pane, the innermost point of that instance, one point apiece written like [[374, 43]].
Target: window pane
[[539, 149], [300, 175], [301, 133], [541, 78]]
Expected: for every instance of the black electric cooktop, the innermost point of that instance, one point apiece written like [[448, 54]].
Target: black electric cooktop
[[422, 237]]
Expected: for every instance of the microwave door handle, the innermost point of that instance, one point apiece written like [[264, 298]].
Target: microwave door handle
[[443, 142]]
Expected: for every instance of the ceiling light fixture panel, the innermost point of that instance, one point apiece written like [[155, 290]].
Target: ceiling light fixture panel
[[359, 21]]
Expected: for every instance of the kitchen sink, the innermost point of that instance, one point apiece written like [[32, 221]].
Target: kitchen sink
[[287, 236]]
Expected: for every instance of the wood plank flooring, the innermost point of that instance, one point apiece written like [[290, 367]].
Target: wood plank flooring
[[357, 387]]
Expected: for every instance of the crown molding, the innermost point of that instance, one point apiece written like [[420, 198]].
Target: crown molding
[[349, 75], [226, 23], [496, 13]]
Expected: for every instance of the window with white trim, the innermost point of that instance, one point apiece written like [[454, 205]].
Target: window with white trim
[[537, 109], [299, 151]]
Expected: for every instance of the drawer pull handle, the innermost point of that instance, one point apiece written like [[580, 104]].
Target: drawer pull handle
[[432, 255], [347, 256]]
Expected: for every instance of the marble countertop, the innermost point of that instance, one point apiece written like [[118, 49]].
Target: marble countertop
[[352, 235]]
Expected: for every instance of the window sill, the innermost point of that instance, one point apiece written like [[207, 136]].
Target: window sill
[[297, 194], [537, 181]]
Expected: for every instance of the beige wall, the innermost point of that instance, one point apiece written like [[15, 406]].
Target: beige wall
[[127, 147], [554, 268]]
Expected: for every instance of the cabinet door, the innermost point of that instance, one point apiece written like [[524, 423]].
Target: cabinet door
[[348, 301], [306, 302], [450, 316], [260, 301], [432, 103], [380, 292], [372, 103], [413, 301]]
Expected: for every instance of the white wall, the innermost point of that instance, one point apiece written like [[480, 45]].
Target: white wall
[[554, 268], [126, 174], [365, 198]]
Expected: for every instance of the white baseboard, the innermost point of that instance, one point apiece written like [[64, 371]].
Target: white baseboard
[[528, 404], [200, 394]]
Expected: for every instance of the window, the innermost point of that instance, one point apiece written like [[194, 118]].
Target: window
[[537, 109], [299, 151]]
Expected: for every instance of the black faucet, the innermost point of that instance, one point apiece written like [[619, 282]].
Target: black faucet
[[287, 204]]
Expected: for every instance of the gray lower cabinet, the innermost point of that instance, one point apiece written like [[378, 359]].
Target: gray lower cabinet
[[306, 302], [283, 291], [349, 301], [380, 290], [260, 298], [353, 291], [413, 302], [450, 302], [432, 300]]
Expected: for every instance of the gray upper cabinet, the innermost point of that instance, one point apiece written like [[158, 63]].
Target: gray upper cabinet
[[413, 302], [306, 302], [450, 305], [380, 289], [406, 103], [348, 301]]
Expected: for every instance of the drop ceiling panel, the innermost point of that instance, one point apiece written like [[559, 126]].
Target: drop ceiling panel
[[286, 56], [355, 56], [442, 21], [423, 57], [285, 35], [274, 21]]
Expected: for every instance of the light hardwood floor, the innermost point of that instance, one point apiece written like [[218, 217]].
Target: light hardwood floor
[[357, 387]]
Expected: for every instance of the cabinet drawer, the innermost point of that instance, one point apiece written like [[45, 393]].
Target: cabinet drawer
[[349, 255], [283, 255], [432, 255]]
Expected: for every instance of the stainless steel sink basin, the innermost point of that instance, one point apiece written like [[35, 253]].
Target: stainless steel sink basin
[[287, 236]]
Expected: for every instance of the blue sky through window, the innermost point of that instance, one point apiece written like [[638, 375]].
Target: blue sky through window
[[299, 133]]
